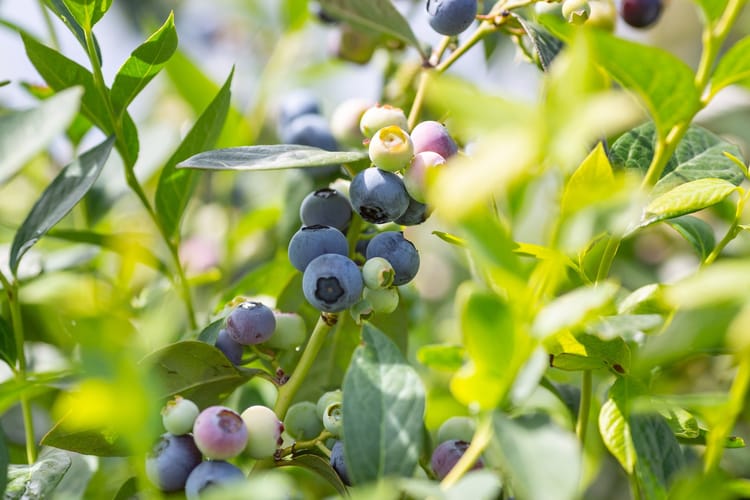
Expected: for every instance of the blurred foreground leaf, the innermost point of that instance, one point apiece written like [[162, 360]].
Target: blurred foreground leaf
[[272, 157], [39, 479]]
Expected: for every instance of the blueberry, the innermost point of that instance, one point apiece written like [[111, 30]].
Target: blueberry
[[338, 464], [251, 323], [333, 418], [433, 136], [451, 17], [178, 416], [220, 433], [302, 421], [232, 349], [378, 196], [400, 252], [170, 462], [377, 273], [210, 474], [603, 15], [459, 428], [264, 431], [295, 104], [420, 168], [391, 148], [416, 213], [313, 241], [326, 207], [576, 11], [445, 456], [382, 300], [641, 13], [380, 116], [290, 331], [326, 399], [332, 283], [345, 121]]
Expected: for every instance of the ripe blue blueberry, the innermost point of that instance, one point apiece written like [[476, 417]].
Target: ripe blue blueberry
[[251, 323], [332, 283], [451, 17], [433, 136], [416, 213], [302, 421], [295, 104], [641, 13], [338, 464], [400, 252], [231, 348], [178, 416], [313, 241], [170, 462], [220, 433], [264, 431], [326, 207], [378, 196], [445, 456], [210, 474]]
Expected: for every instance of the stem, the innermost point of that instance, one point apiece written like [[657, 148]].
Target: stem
[[479, 442], [317, 338], [634, 487], [584, 408], [302, 445], [608, 258], [733, 231]]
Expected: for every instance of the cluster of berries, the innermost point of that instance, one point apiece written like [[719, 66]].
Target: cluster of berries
[[216, 434]]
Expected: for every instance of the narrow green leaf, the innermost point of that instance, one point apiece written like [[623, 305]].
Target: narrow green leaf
[[450, 238], [734, 66], [272, 157], [211, 332], [65, 191], [441, 357], [687, 198], [731, 442], [545, 44], [39, 479], [697, 232], [319, 466], [700, 154], [88, 12], [373, 15], [539, 459], [25, 133], [195, 370], [176, 186], [143, 65], [97, 442], [574, 309], [8, 351], [384, 403]]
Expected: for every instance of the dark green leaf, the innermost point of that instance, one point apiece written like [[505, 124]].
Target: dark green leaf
[[4, 462], [39, 479], [734, 66], [195, 370], [319, 466], [699, 155], [384, 403], [545, 44], [143, 64], [540, 459], [272, 157], [697, 232], [373, 15], [128, 490], [24, 134], [659, 454], [441, 357], [3, 83], [68, 19], [99, 442], [211, 332], [65, 191], [175, 186], [687, 198], [7, 344]]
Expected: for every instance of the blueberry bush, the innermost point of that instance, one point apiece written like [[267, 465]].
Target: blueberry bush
[[285, 284]]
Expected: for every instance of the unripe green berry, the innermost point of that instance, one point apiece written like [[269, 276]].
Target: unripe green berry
[[460, 428], [263, 431], [333, 418], [379, 116], [361, 311], [327, 399], [302, 421], [178, 416], [603, 15], [377, 272], [391, 148], [576, 11], [383, 300], [290, 331], [345, 121]]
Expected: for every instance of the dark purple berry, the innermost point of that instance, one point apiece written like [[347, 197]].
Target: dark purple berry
[[337, 462], [446, 455], [451, 17], [171, 461], [400, 252], [231, 348], [251, 323], [641, 13], [210, 474], [416, 213]]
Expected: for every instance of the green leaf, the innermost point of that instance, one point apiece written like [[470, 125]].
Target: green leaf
[[97, 442], [682, 422], [734, 66], [658, 452], [196, 371], [574, 309], [591, 182], [24, 134], [128, 490], [272, 157], [699, 155], [712, 9], [441, 356], [615, 432], [4, 463], [319, 466], [62, 11], [143, 65], [731, 442], [295, 13], [540, 459], [379, 16], [175, 186], [88, 12], [588, 352], [211, 332], [545, 44], [697, 232], [687, 198], [65, 191], [39, 479], [626, 326], [7, 344], [384, 404]]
